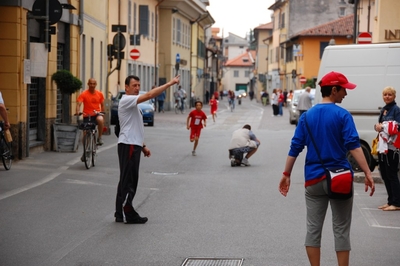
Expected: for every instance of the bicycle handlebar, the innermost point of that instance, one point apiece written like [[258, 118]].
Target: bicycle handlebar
[[94, 112]]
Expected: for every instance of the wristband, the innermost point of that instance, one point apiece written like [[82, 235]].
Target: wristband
[[286, 174]]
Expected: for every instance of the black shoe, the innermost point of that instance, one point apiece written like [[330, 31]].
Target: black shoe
[[137, 220], [119, 220]]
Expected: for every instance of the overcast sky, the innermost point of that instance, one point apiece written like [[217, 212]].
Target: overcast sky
[[238, 16]]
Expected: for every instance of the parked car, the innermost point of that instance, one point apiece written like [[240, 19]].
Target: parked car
[[292, 105], [146, 107]]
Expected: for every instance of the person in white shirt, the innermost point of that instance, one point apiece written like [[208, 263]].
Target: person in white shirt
[[130, 146]]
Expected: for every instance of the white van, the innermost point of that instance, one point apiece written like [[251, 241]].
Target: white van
[[371, 67]]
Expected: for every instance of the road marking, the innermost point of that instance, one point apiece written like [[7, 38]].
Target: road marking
[[365, 212], [30, 186]]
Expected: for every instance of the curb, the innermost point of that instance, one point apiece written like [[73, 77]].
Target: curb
[[360, 177]]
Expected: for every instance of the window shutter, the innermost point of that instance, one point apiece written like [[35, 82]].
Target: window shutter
[[144, 20]]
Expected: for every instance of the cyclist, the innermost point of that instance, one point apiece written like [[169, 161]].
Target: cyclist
[[93, 103], [231, 96], [182, 97], [3, 113]]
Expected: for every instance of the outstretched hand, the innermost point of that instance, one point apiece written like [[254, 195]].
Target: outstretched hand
[[176, 80]]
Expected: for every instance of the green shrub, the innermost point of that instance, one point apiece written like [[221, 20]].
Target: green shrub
[[66, 82]]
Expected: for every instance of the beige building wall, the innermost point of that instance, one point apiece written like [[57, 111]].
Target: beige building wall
[[387, 21], [145, 66], [93, 44]]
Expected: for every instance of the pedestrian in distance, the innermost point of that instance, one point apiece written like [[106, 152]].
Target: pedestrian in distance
[[305, 101], [207, 95], [161, 99], [335, 134], [243, 141], [196, 120], [389, 158], [281, 99], [131, 145], [182, 97], [214, 107], [3, 113], [275, 102], [93, 104]]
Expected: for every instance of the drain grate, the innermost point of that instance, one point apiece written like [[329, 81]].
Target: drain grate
[[212, 262]]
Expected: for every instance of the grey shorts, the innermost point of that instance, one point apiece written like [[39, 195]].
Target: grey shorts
[[317, 204]]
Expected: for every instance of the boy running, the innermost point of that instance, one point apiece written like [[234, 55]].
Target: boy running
[[195, 122]]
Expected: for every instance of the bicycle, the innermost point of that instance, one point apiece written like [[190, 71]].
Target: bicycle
[[89, 141], [179, 106], [5, 149]]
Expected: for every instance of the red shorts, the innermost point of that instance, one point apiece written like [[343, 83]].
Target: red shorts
[[195, 133]]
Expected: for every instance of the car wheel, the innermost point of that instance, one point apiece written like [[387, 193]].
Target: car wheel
[[368, 157]]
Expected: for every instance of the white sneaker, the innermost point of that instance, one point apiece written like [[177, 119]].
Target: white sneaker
[[194, 153], [245, 161]]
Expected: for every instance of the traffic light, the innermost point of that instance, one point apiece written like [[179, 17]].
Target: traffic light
[[294, 74]]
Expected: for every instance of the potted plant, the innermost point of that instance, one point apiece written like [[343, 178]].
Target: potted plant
[[66, 82], [66, 136]]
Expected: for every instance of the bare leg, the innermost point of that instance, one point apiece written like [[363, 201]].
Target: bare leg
[[100, 125], [343, 257], [314, 255], [196, 141], [249, 154]]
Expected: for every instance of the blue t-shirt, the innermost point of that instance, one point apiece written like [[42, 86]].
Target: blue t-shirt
[[335, 134]]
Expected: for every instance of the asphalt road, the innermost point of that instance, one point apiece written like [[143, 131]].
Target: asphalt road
[[56, 212]]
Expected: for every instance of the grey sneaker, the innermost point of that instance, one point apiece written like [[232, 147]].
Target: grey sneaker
[[245, 161], [194, 153], [99, 141]]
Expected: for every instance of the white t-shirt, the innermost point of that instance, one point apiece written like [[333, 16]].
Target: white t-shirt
[[131, 121]]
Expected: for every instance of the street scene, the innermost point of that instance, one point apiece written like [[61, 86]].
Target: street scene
[[57, 212]]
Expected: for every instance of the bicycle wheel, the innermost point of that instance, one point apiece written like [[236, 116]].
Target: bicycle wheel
[[6, 152], [176, 109], [94, 150], [87, 150]]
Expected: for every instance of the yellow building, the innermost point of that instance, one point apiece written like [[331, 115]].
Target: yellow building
[[28, 58]]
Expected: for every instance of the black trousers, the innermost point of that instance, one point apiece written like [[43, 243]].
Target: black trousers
[[388, 166], [129, 161]]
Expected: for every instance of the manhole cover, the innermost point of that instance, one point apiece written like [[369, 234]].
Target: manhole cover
[[212, 262], [162, 173]]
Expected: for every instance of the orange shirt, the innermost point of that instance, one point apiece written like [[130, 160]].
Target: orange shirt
[[91, 101]]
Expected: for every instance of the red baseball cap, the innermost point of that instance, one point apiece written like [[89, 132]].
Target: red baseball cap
[[336, 78]]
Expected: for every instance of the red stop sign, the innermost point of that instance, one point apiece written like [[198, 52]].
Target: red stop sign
[[303, 80], [134, 54]]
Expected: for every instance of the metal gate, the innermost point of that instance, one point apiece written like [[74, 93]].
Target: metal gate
[[33, 111]]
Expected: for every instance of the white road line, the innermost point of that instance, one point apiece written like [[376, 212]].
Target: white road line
[[30, 186]]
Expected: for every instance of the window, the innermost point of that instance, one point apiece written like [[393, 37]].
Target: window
[[91, 56], [144, 20], [282, 20], [200, 49], [247, 74], [289, 54], [322, 47], [342, 11], [277, 54], [236, 73], [178, 31]]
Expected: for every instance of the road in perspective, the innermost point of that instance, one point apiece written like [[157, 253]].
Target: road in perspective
[[54, 211]]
